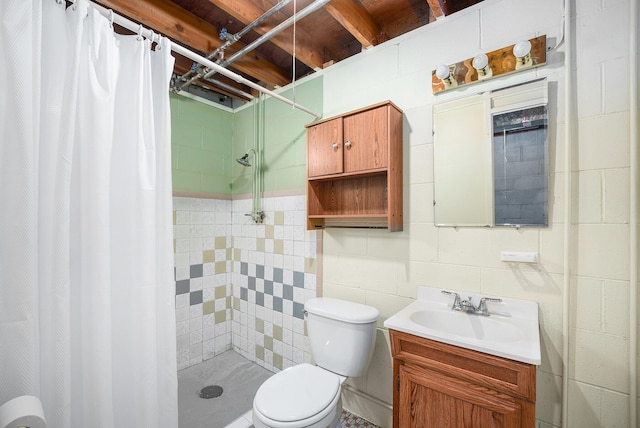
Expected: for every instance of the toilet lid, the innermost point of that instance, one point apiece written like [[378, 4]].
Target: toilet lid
[[297, 393]]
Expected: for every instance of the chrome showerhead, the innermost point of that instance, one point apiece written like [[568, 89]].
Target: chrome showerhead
[[244, 160]]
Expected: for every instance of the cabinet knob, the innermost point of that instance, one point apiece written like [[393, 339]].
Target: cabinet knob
[[335, 146], [347, 144]]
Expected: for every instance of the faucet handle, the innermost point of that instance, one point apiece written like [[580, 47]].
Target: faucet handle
[[457, 306], [482, 307]]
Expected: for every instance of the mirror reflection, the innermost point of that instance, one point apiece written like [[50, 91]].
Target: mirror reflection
[[520, 173], [491, 158]]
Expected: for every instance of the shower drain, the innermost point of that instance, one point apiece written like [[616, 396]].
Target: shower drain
[[211, 391]]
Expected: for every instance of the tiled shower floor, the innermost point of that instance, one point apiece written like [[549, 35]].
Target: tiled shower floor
[[239, 379]]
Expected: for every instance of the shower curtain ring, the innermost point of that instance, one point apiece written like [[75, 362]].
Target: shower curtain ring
[[111, 18], [140, 32]]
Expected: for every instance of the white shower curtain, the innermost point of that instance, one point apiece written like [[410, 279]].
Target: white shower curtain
[[87, 319]]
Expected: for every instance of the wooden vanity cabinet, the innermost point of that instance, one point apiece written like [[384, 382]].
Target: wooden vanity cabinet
[[441, 385], [354, 169]]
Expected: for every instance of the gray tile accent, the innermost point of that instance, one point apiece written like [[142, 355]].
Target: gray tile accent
[[277, 304], [252, 282], [298, 279], [287, 292], [277, 275], [259, 298], [244, 294], [259, 271], [298, 310], [195, 271], [244, 268], [268, 287], [195, 297], [182, 286]]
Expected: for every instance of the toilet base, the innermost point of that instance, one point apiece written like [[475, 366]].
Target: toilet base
[[333, 422]]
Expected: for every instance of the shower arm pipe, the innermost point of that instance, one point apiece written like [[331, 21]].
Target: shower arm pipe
[[145, 32], [230, 41], [257, 169], [317, 4]]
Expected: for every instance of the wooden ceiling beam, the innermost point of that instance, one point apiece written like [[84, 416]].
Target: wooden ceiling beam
[[307, 48], [354, 17], [436, 8], [169, 19]]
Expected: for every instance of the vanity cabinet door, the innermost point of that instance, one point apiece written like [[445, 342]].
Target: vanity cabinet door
[[430, 399], [441, 385]]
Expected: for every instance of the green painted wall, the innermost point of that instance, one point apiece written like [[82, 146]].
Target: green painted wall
[[201, 144], [206, 141], [284, 144]]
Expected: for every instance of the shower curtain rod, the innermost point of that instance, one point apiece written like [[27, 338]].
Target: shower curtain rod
[[149, 34]]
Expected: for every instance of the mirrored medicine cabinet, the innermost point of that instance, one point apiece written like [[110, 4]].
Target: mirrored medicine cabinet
[[491, 161]]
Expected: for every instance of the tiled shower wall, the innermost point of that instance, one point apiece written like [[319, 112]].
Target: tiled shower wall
[[274, 273], [202, 246], [241, 284]]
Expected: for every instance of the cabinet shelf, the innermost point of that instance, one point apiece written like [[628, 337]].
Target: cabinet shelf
[[384, 215], [381, 171], [354, 169]]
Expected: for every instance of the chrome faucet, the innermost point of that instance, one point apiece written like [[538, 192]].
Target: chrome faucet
[[468, 306]]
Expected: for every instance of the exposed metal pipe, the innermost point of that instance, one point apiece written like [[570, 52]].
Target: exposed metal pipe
[[271, 33], [144, 32], [230, 41], [230, 88]]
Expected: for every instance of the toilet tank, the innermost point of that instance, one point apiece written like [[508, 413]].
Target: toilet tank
[[342, 334]]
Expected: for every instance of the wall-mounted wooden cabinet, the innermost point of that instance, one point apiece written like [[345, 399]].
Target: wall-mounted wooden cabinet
[[441, 385], [354, 169]]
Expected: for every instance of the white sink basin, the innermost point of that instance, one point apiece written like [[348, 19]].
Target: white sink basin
[[511, 331]]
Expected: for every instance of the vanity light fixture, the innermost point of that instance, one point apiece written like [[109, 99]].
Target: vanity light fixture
[[444, 73], [521, 56], [481, 64], [522, 52]]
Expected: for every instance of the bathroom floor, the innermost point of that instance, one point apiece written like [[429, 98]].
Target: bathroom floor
[[239, 379]]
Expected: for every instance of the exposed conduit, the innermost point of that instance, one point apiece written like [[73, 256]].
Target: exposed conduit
[[633, 212], [271, 33], [230, 41], [137, 28], [568, 197]]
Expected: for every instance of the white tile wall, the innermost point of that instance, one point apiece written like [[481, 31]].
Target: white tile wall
[[198, 222], [284, 227]]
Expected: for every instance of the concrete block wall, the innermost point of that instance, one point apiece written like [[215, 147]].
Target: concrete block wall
[[392, 265]]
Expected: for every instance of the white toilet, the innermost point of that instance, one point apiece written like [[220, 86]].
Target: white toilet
[[342, 336]]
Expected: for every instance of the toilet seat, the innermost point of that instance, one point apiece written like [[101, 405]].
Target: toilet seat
[[303, 393]]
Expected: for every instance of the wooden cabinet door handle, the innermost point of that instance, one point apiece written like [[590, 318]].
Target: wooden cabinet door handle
[[335, 146]]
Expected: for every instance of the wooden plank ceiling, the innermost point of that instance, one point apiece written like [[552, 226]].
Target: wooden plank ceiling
[[333, 32]]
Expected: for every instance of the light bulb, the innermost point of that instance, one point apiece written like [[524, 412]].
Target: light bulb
[[444, 73], [522, 52], [522, 49], [481, 64]]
